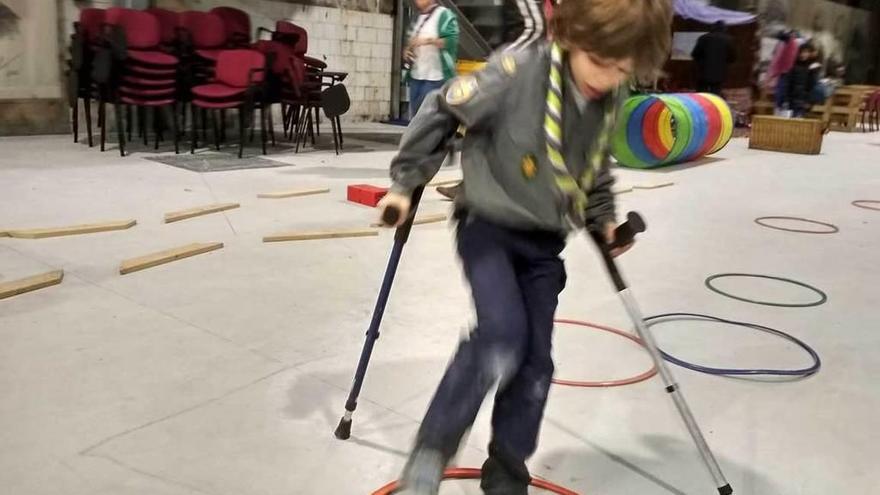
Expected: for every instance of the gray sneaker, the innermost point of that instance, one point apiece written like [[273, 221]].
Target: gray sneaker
[[423, 473]]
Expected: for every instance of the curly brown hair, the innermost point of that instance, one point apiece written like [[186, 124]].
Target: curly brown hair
[[618, 29]]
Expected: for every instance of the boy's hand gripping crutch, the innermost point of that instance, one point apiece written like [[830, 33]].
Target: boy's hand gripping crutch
[[623, 236], [390, 217]]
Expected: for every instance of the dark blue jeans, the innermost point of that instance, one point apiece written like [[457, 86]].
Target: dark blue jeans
[[516, 277], [418, 90], [781, 90]]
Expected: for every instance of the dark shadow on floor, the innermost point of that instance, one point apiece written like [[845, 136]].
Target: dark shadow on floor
[[303, 404], [707, 160], [666, 452]]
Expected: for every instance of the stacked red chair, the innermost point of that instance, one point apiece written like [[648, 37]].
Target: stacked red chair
[[147, 76], [237, 24], [300, 40], [239, 84], [204, 34], [297, 122], [84, 45], [168, 23], [160, 60], [290, 87], [285, 81]]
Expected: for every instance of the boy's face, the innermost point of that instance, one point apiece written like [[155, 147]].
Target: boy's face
[[596, 76]]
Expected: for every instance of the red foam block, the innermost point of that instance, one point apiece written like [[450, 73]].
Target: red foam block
[[366, 194]]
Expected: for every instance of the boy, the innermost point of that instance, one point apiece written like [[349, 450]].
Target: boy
[[535, 165]]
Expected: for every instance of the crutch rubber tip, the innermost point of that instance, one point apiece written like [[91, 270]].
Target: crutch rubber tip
[[725, 490], [343, 431]]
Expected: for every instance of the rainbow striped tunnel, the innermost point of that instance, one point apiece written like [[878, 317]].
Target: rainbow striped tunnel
[[664, 129]]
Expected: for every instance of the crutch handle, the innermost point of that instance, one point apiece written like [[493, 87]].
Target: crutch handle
[[627, 231], [391, 215], [623, 235], [402, 234]]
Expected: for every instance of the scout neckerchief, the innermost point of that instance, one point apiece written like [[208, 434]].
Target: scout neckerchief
[[573, 189]]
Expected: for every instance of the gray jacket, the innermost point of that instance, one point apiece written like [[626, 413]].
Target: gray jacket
[[508, 177]]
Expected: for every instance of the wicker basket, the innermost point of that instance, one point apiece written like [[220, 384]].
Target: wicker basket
[[787, 135]]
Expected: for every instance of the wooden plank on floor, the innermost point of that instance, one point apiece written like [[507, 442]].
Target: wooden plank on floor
[[440, 217], [89, 228], [167, 256], [327, 234], [654, 186], [176, 216], [28, 284], [292, 194], [448, 182]]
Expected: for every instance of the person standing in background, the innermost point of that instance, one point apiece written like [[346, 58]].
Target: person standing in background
[[431, 52], [801, 82], [784, 57], [712, 54]]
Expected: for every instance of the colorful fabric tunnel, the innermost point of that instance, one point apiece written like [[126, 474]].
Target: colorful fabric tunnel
[[663, 129]]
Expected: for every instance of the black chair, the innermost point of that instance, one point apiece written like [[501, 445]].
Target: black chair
[[336, 102]]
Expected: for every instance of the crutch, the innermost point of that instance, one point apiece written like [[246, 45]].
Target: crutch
[[623, 236], [390, 216]]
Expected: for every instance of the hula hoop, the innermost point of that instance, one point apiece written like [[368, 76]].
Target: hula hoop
[[665, 124], [761, 221], [726, 121], [620, 145], [651, 132], [634, 132], [663, 129], [682, 130], [609, 383], [474, 474], [859, 203], [699, 126], [822, 296], [811, 370], [714, 125]]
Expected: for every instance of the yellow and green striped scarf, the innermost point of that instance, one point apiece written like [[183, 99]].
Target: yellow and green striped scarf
[[573, 189]]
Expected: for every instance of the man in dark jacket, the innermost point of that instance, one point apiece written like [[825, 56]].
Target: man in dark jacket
[[712, 54], [801, 81]]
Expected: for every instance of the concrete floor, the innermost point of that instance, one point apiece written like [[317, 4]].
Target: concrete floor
[[226, 373]]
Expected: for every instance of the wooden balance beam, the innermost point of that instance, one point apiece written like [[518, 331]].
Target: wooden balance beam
[[28, 284], [167, 256], [89, 228]]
